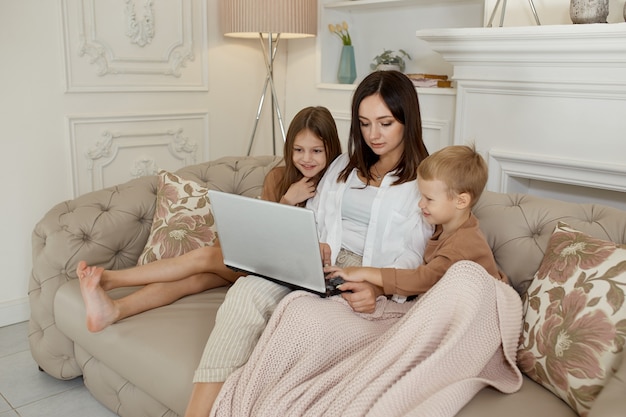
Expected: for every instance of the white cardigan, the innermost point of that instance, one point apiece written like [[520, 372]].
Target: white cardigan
[[397, 233]]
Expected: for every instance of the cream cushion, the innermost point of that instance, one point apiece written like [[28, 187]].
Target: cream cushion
[[575, 320], [183, 219]]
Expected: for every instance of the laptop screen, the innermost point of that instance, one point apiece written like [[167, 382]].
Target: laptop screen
[[271, 240]]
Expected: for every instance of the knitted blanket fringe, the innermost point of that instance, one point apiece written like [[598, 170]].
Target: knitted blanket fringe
[[428, 357]]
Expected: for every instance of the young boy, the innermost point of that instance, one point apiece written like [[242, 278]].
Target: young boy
[[450, 182]]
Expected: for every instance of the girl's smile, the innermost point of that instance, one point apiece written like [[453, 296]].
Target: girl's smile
[[309, 154]]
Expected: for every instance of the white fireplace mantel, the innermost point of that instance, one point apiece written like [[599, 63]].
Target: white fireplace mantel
[[555, 92], [588, 54]]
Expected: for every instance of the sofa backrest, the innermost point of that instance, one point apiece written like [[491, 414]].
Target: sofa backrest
[[232, 174], [518, 227]]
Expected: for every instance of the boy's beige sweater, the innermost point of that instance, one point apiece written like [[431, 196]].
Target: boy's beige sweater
[[466, 243]]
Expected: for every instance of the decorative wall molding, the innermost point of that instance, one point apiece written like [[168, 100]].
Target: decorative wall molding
[[436, 133], [558, 60], [177, 143], [139, 46], [140, 31], [143, 166], [109, 150], [343, 120], [592, 89], [506, 168], [564, 52]]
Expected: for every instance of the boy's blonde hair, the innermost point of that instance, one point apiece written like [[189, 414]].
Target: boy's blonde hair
[[460, 167]]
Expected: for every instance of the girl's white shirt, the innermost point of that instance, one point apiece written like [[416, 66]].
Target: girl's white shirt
[[397, 233]]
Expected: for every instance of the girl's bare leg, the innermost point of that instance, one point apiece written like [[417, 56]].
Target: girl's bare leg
[[203, 396], [205, 259], [103, 311]]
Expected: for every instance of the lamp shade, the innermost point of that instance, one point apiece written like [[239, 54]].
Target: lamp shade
[[289, 18]]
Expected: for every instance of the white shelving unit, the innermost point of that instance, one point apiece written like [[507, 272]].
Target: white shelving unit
[[376, 25]]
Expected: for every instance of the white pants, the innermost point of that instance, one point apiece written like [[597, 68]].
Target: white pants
[[241, 319]]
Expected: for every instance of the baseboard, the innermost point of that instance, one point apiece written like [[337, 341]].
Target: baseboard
[[14, 311]]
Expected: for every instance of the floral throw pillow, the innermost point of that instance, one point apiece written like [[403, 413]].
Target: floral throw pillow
[[183, 219], [575, 317]]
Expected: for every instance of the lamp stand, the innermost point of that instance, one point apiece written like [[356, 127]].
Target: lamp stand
[[269, 53], [532, 6]]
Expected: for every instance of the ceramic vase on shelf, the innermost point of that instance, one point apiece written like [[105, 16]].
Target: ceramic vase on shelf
[[346, 74], [589, 11]]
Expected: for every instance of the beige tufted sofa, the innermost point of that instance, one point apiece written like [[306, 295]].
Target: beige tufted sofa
[[143, 366]]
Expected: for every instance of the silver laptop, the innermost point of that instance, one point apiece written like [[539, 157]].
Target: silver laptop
[[271, 240]]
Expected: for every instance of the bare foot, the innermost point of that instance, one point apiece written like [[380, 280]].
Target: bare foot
[[101, 309]]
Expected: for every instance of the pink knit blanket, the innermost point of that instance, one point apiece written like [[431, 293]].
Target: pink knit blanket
[[427, 357]]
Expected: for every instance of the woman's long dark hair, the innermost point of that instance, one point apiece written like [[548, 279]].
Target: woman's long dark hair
[[398, 93], [321, 123]]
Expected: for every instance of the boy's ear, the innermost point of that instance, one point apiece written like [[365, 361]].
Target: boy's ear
[[463, 201]]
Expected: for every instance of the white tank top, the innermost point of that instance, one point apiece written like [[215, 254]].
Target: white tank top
[[356, 210]]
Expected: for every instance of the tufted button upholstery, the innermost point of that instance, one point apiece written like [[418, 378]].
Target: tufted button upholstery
[[109, 228], [518, 227]]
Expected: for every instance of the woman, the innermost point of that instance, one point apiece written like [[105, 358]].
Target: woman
[[366, 208]]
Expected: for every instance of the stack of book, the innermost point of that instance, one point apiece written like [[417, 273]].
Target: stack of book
[[430, 80]]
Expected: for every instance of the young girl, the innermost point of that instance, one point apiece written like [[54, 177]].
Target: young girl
[[312, 143]]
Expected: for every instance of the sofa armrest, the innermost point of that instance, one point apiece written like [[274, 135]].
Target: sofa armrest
[[109, 228]]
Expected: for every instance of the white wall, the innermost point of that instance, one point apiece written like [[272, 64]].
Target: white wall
[[35, 161]]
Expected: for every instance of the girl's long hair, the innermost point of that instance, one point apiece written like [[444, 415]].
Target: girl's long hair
[[398, 93], [321, 123]]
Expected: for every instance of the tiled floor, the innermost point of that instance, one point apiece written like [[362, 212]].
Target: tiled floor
[[27, 392]]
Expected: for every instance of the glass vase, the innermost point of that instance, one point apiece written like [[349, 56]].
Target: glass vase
[[346, 74]]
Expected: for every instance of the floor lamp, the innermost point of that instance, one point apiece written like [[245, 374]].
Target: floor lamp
[[270, 21], [532, 7]]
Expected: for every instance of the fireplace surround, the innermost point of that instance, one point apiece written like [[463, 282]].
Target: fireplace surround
[[544, 104]]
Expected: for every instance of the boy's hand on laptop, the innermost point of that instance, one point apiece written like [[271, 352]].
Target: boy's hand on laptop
[[356, 274], [349, 273], [360, 294]]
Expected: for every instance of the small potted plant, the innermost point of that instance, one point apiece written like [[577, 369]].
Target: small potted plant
[[390, 60]]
